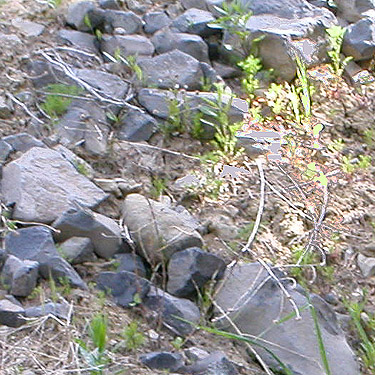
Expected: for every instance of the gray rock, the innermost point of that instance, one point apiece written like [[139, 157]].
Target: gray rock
[[197, 4], [104, 232], [195, 354], [81, 11], [11, 315], [36, 243], [214, 364], [354, 10], [5, 150], [171, 308], [22, 142], [155, 21], [226, 71], [128, 45], [165, 40], [20, 276], [195, 21], [43, 184], [28, 28], [254, 302], [366, 265], [84, 124], [172, 69], [131, 263], [78, 39], [136, 126], [154, 226], [129, 22], [124, 287], [162, 360], [359, 40], [191, 269], [6, 108], [109, 4], [60, 310], [9, 39], [77, 250]]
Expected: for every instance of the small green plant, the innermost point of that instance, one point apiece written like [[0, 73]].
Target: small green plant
[[347, 165], [244, 232], [131, 62], [132, 336], [305, 89], [54, 3], [37, 293], [335, 39], [58, 99], [364, 161], [159, 185], [369, 137], [336, 145], [250, 66], [178, 343], [82, 169], [87, 21]]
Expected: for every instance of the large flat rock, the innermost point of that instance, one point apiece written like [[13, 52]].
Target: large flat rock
[[43, 184]]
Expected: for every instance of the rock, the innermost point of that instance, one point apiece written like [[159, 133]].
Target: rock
[[84, 124], [131, 263], [77, 250], [103, 231], [36, 243], [254, 302], [226, 71], [172, 69], [129, 22], [155, 21], [28, 28], [9, 39], [20, 276], [11, 315], [43, 184], [136, 126], [354, 10], [78, 39], [6, 108], [366, 265], [125, 287], [197, 4], [195, 354], [109, 4], [154, 226], [60, 310], [195, 21], [165, 40], [191, 269], [22, 142], [5, 150], [171, 308], [162, 360], [84, 16], [359, 40], [214, 364], [127, 45]]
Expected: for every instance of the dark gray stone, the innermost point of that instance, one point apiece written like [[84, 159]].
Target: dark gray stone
[[165, 40], [209, 73], [77, 250], [197, 4], [155, 21], [78, 39], [158, 301], [359, 40], [11, 315], [123, 286], [43, 184], [28, 28], [81, 11], [6, 108], [162, 360], [129, 22], [155, 226], [128, 45], [5, 150], [103, 231], [254, 302], [172, 69], [60, 310], [20, 276], [191, 269], [131, 263], [109, 4], [214, 364], [366, 265], [136, 126], [354, 10], [85, 123], [226, 71], [22, 142], [195, 21]]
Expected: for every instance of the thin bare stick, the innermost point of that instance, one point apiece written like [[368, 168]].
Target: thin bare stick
[[23, 106]]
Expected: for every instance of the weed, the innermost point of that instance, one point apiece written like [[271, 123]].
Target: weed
[[131, 62], [244, 232], [197, 129], [336, 145], [82, 169], [364, 161], [58, 100], [54, 3], [347, 164], [305, 90], [250, 66], [178, 343], [87, 21], [37, 293], [159, 185], [369, 137], [335, 39], [276, 96], [132, 336]]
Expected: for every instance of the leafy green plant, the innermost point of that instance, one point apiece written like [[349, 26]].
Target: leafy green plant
[[364, 161], [347, 165], [335, 38], [178, 343], [159, 185], [58, 99], [336, 145], [250, 66], [369, 137], [82, 169], [54, 3], [305, 89], [132, 336]]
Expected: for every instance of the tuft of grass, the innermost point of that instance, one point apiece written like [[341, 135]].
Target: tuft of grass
[[56, 103], [159, 185], [132, 336]]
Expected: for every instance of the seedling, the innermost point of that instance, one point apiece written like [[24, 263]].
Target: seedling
[[132, 336]]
